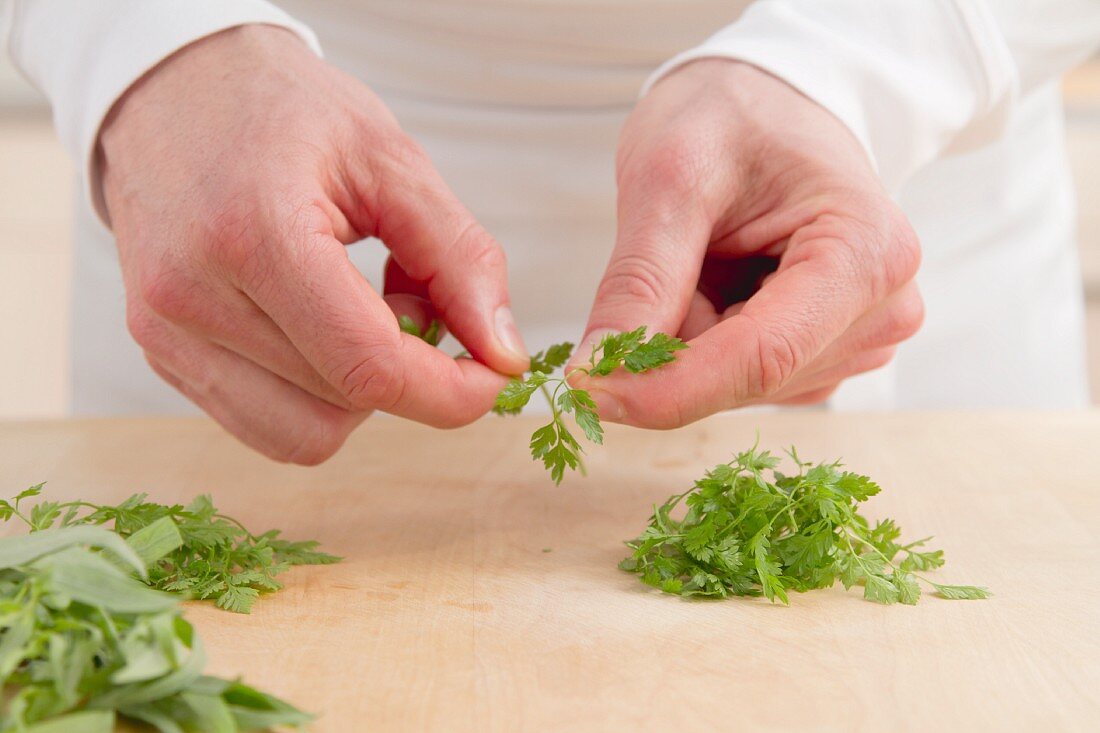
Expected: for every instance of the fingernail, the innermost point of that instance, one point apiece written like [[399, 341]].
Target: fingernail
[[608, 406], [508, 332]]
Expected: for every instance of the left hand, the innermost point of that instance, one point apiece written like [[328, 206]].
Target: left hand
[[751, 223]]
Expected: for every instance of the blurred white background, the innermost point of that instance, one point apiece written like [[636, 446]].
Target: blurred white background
[[36, 195]]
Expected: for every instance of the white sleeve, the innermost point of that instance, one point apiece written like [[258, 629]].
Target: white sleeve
[[83, 54], [912, 79]]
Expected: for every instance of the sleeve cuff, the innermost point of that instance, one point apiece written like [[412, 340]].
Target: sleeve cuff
[[911, 81]]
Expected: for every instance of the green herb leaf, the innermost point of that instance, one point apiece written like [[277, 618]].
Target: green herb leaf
[[962, 592], [432, 335], [155, 540], [553, 358]]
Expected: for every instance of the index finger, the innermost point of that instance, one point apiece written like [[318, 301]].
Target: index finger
[[348, 334]]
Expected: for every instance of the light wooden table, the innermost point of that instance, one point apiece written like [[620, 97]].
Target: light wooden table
[[447, 615]]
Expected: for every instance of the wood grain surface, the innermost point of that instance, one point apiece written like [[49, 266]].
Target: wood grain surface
[[448, 615]]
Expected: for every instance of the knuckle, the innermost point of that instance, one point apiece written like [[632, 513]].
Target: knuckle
[[907, 317], [879, 247], [635, 279], [672, 166], [868, 361], [899, 251], [777, 361], [168, 293], [318, 442], [403, 154], [879, 359], [373, 381], [472, 245], [232, 240], [143, 327], [906, 251], [479, 248]]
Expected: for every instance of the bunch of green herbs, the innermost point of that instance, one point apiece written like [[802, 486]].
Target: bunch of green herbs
[[750, 530]]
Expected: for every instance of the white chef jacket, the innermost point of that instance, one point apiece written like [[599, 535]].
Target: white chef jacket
[[519, 104]]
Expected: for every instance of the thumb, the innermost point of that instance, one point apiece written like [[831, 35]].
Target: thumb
[[436, 242], [654, 268]]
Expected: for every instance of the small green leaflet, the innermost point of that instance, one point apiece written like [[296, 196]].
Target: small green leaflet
[[554, 444], [200, 552], [432, 335], [748, 529], [553, 358]]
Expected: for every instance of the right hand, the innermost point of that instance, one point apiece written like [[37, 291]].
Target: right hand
[[233, 174]]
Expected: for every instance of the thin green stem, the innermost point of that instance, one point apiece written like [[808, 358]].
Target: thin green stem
[[240, 526], [15, 511]]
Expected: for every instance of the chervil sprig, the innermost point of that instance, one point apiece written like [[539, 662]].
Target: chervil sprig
[[553, 443], [750, 530]]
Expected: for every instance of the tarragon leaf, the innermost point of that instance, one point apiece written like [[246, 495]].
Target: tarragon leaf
[[962, 592]]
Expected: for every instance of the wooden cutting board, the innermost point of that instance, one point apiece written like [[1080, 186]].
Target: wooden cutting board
[[476, 596]]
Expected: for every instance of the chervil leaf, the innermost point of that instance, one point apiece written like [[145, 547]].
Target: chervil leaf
[[609, 353], [237, 598], [858, 487], [28, 493], [908, 588], [564, 453], [698, 541], [656, 352], [580, 404], [517, 393], [553, 358], [44, 514], [923, 560], [880, 589]]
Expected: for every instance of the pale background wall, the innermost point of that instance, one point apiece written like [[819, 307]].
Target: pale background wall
[[35, 224]]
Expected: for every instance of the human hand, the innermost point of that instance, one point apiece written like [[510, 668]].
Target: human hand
[[752, 224], [234, 173]]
